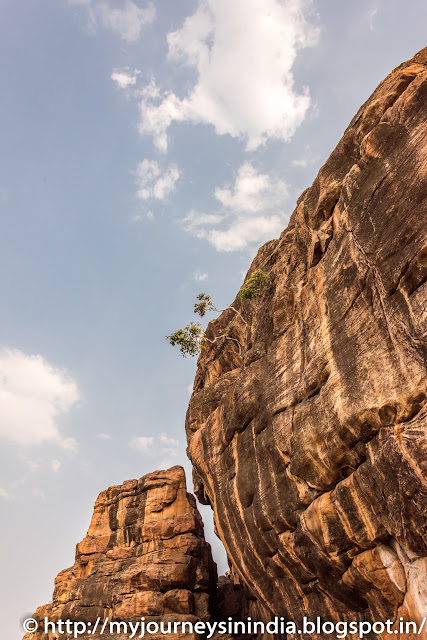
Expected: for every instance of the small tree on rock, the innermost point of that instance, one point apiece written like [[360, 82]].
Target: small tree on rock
[[192, 338], [253, 285]]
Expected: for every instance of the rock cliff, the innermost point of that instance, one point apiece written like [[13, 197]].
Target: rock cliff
[[144, 555], [311, 447]]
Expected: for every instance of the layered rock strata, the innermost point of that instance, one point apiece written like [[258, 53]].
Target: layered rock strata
[[144, 555], [311, 445]]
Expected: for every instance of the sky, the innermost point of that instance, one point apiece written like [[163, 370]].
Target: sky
[[148, 150]]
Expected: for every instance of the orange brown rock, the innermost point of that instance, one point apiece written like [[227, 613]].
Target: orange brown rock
[[144, 555], [312, 448]]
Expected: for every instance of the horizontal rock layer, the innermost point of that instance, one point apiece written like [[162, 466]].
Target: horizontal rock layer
[[311, 448], [144, 555]]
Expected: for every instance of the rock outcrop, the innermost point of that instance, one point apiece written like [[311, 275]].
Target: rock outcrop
[[311, 447], [144, 555], [308, 430]]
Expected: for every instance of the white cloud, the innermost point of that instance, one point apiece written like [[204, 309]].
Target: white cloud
[[200, 276], [127, 21], [156, 118], [55, 465], [243, 53], [169, 442], [169, 450], [142, 443], [4, 493], [69, 444], [152, 184], [194, 222], [124, 79], [301, 162], [163, 446], [104, 436], [33, 394], [245, 231], [252, 212], [308, 158], [252, 192], [371, 19], [149, 215]]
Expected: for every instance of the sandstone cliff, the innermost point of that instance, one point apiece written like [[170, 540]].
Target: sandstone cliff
[[144, 555], [311, 445], [311, 448]]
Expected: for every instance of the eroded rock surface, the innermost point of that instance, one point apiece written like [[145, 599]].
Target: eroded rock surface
[[312, 448], [144, 555]]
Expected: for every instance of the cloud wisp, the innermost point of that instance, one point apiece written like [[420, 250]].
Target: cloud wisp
[[125, 78], [153, 184], [372, 17], [163, 445], [251, 212], [33, 395], [243, 53], [200, 276], [55, 465], [144, 444], [127, 21], [104, 436]]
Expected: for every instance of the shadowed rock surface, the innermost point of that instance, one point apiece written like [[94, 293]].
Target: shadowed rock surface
[[144, 555], [311, 448]]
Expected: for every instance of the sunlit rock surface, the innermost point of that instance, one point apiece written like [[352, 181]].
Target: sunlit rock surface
[[311, 445], [144, 555], [312, 448]]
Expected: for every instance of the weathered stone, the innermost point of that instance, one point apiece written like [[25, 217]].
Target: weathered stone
[[311, 448], [311, 445], [144, 556]]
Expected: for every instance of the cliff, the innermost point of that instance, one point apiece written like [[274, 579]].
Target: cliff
[[144, 555], [310, 445], [311, 448]]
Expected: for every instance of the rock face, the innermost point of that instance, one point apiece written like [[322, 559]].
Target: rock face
[[309, 439], [311, 448], [144, 555]]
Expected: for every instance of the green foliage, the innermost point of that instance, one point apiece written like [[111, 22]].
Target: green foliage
[[253, 285], [205, 304], [191, 340], [188, 339]]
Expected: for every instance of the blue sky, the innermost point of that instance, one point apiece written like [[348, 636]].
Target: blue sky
[[148, 149]]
